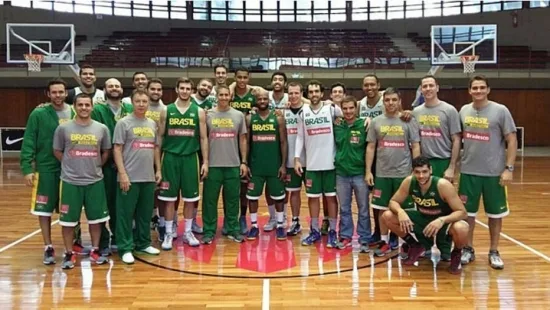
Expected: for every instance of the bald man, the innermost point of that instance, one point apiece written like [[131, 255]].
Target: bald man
[[109, 114]]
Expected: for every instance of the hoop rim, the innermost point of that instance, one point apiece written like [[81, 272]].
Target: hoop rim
[[468, 58], [35, 57]]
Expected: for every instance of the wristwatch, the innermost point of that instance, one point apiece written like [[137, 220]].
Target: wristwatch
[[510, 168]]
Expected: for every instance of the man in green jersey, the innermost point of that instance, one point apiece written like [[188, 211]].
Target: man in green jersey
[[183, 134], [38, 164], [439, 213], [268, 155], [109, 114]]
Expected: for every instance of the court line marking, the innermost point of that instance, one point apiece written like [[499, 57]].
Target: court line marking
[[519, 243], [265, 299], [16, 242], [531, 183]]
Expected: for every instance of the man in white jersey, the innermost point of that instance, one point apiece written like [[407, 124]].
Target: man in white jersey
[[440, 130], [139, 81], [487, 164], [203, 97], [87, 86], [392, 139], [315, 132]]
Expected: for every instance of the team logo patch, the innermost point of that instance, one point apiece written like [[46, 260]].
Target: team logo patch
[[288, 177], [64, 209], [464, 198], [251, 186], [377, 193], [309, 183], [42, 199], [354, 140], [164, 185]]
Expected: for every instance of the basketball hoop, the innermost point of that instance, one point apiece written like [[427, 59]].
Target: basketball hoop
[[34, 61], [469, 62]]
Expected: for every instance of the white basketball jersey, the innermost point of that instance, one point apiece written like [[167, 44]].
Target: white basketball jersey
[[319, 137], [291, 121], [273, 104], [99, 96], [365, 111]]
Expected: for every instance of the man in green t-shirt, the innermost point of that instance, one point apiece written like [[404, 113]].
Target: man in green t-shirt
[[350, 136]]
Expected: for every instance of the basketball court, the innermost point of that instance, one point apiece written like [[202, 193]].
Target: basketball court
[[271, 274]]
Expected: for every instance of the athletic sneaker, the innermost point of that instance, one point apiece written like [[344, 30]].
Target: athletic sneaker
[[150, 250], [281, 233], [413, 254], [49, 256], [382, 249], [78, 249], [495, 261], [332, 240], [364, 248], [69, 259], [242, 222], [161, 231], [207, 239], [167, 242], [468, 255], [314, 236], [195, 228], [237, 238], [295, 228], [253, 233], [190, 239], [106, 251], [344, 243], [154, 222], [271, 224], [456, 265], [224, 231], [325, 227], [97, 258], [394, 241], [403, 252], [128, 258]]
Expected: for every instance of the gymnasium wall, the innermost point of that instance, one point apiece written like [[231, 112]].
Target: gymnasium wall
[[528, 107], [530, 31]]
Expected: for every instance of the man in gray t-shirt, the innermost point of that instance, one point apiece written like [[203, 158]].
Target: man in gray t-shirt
[[136, 153], [82, 145], [227, 136], [392, 139], [486, 169]]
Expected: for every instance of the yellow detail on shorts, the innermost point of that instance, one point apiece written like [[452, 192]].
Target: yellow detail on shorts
[[145, 132], [87, 139], [394, 130], [34, 190], [181, 122]]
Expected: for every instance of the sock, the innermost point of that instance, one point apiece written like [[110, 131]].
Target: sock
[[332, 223], [271, 209], [176, 217], [315, 224], [169, 225], [254, 219], [295, 218], [409, 239], [48, 246], [195, 211], [188, 225], [385, 238], [162, 221], [280, 219], [285, 207]]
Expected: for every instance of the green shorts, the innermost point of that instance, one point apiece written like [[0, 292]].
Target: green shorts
[[91, 196], [180, 173], [275, 186], [45, 194], [420, 222], [439, 166], [293, 181], [495, 199], [384, 188], [319, 183]]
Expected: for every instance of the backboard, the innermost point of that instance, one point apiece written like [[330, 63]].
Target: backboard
[[54, 41], [449, 42]]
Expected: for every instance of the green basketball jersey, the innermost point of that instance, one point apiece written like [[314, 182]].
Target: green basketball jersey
[[205, 104], [244, 103], [181, 134], [265, 147], [429, 204]]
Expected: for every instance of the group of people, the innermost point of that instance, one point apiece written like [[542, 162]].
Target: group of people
[[121, 158]]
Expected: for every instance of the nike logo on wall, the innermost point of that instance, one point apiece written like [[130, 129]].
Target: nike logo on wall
[[10, 142]]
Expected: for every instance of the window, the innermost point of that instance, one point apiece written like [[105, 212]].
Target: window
[[123, 8], [103, 8], [338, 10], [472, 6], [377, 9], [432, 8], [27, 4], [270, 11], [540, 4], [218, 10], [321, 11], [286, 13], [63, 6], [236, 11], [160, 9], [395, 9], [491, 6], [451, 8], [359, 10], [253, 11], [414, 9], [83, 6], [48, 5], [141, 8], [304, 11], [200, 10], [178, 10], [512, 5]]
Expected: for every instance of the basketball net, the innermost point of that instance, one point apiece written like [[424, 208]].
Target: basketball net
[[34, 61], [469, 62]]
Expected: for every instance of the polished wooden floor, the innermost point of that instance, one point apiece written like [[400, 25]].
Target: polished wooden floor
[[269, 274]]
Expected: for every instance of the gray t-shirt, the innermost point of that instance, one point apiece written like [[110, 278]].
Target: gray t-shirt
[[484, 132], [392, 137], [65, 114], [138, 138], [437, 125], [81, 146], [224, 130]]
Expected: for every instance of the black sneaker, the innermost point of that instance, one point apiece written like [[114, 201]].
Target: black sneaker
[[69, 260], [49, 256]]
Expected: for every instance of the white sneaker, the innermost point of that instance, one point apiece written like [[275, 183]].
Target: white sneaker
[[167, 243], [190, 239], [128, 258], [150, 250], [271, 224]]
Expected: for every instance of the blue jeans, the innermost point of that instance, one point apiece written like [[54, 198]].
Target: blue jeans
[[344, 188]]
